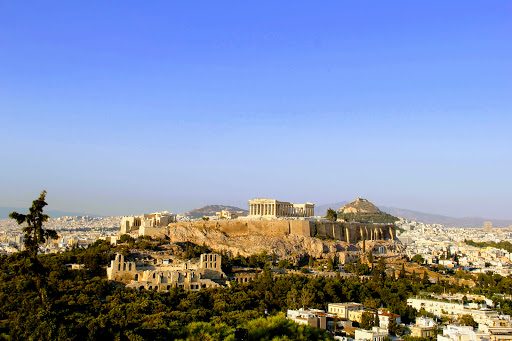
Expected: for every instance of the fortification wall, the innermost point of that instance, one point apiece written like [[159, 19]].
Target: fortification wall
[[347, 232], [301, 228]]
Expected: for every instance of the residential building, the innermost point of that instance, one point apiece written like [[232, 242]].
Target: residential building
[[313, 317], [424, 327], [342, 310], [385, 317], [375, 334]]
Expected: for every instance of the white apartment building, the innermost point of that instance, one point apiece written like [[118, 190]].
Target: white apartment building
[[385, 317], [455, 310], [375, 334], [461, 333]]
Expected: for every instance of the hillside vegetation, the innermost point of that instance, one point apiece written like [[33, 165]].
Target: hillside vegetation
[[43, 299], [364, 211]]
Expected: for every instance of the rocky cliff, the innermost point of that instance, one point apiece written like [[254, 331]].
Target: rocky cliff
[[292, 247], [290, 239]]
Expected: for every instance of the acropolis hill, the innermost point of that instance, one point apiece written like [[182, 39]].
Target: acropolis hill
[[351, 233], [271, 225]]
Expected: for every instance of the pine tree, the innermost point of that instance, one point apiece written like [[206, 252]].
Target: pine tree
[[402, 272], [331, 214], [425, 278], [34, 233], [381, 267], [330, 264]]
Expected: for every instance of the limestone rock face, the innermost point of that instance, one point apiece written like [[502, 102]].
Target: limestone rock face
[[292, 247]]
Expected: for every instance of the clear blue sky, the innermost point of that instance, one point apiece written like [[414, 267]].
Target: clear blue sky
[[129, 107]]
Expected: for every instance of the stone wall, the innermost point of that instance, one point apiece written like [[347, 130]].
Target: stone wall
[[347, 232]]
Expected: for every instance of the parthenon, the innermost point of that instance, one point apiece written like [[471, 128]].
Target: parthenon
[[275, 208]]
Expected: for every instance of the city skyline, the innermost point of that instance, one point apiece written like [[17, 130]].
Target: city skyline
[[148, 107]]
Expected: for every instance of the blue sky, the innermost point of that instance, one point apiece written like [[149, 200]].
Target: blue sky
[[123, 107]]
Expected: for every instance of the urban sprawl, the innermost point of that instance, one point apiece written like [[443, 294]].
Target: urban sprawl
[[430, 251]]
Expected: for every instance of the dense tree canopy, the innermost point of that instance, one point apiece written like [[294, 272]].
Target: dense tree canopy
[[83, 305]]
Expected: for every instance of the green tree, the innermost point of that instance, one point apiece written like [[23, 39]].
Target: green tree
[[418, 259], [126, 238], [311, 261], [331, 214], [402, 271], [370, 258], [425, 278], [394, 327], [376, 321], [413, 276], [467, 320], [34, 234], [330, 264], [381, 268], [367, 320]]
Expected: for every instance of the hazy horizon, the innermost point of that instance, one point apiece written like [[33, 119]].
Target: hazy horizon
[[140, 107], [240, 205]]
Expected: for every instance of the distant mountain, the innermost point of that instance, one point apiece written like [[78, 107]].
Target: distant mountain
[[444, 220], [210, 210], [5, 211], [426, 218], [321, 210]]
